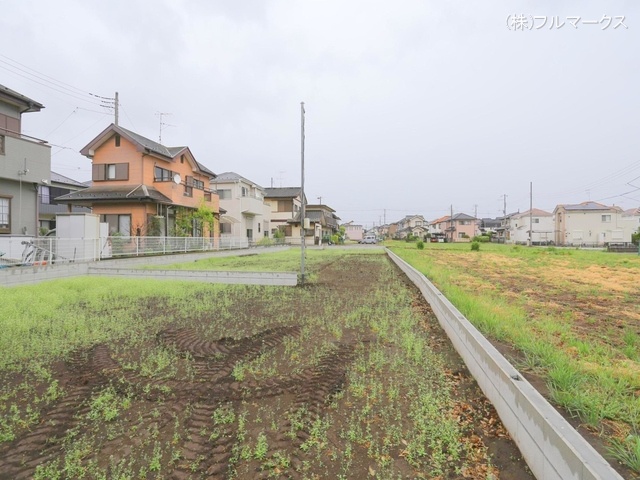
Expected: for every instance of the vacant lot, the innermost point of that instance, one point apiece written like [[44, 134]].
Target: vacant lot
[[348, 377], [573, 317]]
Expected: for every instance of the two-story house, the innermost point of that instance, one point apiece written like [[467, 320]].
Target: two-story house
[[542, 232], [140, 187], [49, 208], [411, 224], [630, 222], [323, 221], [353, 231], [25, 163], [284, 207], [247, 215], [588, 223], [459, 228]]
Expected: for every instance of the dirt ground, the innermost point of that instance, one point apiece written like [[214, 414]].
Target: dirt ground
[[168, 420]]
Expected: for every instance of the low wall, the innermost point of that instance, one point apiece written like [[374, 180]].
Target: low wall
[[245, 278], [552, 448], [17, 276]]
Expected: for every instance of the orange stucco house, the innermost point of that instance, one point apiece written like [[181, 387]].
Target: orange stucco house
[[140, 187]]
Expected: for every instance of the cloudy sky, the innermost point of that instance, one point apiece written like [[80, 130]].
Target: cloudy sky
[[412, 106]]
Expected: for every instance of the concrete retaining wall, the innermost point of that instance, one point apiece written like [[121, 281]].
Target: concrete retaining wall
[[552, 448], [245, 278], [17, 276]]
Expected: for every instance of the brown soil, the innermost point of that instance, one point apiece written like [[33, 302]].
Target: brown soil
[[174, 414]]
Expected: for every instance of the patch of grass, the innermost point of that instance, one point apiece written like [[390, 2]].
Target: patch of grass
[[568, 311]]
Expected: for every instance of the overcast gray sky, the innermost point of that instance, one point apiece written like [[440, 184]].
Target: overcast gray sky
[[412, 105]]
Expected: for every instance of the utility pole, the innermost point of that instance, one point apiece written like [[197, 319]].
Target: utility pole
[[504, 209], [451, 221], [116, 110], [475, 211], [320, 199], [385, 216], [302, 213], [530, 214], [160, 115]]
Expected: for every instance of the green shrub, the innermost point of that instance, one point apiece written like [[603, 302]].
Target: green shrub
[[335, 239], [635, 237], [475, 246], [420, 245], [482, 238]]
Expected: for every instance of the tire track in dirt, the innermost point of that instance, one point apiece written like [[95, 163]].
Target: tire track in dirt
[[316, 387], [43, 442]]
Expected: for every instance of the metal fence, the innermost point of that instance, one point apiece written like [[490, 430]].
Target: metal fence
[[29, 251]]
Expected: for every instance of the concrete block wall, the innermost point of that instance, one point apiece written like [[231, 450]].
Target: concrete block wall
[[552, 448]]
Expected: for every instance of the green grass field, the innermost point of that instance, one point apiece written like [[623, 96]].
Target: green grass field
[[573, 314]]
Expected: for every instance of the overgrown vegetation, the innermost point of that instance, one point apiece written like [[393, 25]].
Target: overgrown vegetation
[[572, 314], [146, 379]]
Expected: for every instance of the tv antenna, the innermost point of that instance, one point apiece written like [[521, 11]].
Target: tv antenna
[[162, 124]]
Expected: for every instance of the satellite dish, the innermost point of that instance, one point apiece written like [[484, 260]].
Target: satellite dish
[[177, 179]]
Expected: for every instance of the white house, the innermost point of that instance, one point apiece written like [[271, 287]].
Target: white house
[[589, 224], [543, 227], [353, 231], [247, 215], [630, 221]]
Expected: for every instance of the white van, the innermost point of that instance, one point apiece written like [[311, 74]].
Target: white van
[[370, 239]]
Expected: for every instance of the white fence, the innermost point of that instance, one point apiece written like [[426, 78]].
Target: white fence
[[28, 251]]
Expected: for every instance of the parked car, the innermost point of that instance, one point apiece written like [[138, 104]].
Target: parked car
[[369, 239]]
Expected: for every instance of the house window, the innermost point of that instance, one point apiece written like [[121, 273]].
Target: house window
[[110, 171], [225, 228], [117, 140], [5, 214], [224, 194], [207, 196], [45, 195], [536, 220], [462, 235], [245, 191], [188, 186], [199, 184], [181, 158], [162, 174], [606, 218], [1, 144], [118, 223]]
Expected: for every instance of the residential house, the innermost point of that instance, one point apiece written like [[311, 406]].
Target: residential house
[[247, 215], [353, 231], [459, 228], [489, 225], [503, 232], [437, 228], [25, 163], [140, 187], [588, 224], [630, 222], [284, 206], [392, 230], [542, 232], [323, 221], [48, 208], [411, 224]]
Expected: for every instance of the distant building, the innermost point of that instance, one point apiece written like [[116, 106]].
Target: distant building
[[353, 231], [590, 224], [542, 232], [48, 208]]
